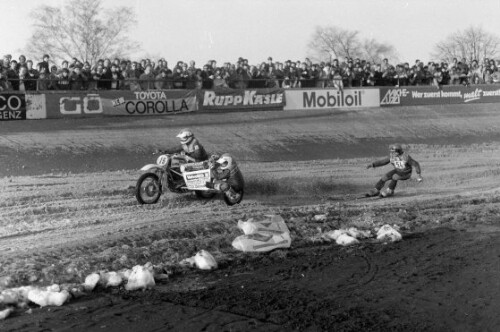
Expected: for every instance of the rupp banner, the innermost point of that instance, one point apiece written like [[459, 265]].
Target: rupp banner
[[427, 95], [12, 106], [119, 103], [331, 98], [225, 99]]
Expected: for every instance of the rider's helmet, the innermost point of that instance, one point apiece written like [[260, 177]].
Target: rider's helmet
[[225, 161], [185, 136], [396, 149]]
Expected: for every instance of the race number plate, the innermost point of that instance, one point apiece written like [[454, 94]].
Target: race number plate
[[197, 179]]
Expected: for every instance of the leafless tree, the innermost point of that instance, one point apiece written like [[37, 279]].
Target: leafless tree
[[472, 43], [332, 42], [81, 29], [374, 51]]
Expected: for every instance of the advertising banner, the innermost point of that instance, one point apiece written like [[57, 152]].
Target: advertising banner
[[331, 98], [152, 102], [231, 99], [12, 107], [35, 106], [427, 95], [118, 102]]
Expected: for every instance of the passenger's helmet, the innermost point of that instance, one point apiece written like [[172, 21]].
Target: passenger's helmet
[[396, 149], [225, 161], [185, 136]]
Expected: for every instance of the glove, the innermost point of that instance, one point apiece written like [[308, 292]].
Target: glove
[[420, 179], [369, 166]]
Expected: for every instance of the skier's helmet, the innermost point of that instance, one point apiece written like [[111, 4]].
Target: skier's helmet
[[396, 149]]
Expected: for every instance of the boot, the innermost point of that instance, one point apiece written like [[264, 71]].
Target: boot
[[372, 193], [232, 194], [387, 192]]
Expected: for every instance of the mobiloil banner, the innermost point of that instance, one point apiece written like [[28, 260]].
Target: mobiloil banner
[[120, 103], [331, 98], [12, 106], [233, 99], [427, 95]]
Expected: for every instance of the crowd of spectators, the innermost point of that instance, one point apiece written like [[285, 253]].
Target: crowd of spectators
[[121, 74]]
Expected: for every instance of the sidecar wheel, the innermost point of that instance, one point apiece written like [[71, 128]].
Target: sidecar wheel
[[148, 189], [204, 194], [234, 200]]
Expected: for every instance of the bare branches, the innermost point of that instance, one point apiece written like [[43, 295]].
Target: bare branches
[[83, 30], [334, 42], [472, 43]]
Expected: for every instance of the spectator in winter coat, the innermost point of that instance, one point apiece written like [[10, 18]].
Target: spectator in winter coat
[[13, 76], [64, 82], [146, 80]]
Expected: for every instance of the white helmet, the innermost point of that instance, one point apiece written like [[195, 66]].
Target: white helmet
[[185, 135], [225, 161]]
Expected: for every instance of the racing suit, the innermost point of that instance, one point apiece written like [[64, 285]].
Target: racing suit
[[192, 149], [227, 179], [403, 166]]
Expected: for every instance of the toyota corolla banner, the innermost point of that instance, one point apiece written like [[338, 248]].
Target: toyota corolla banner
[[116, 103], [427, 95]]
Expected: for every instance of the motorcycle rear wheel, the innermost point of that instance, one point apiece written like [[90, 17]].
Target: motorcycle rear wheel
[[148, 189], [236, 200]]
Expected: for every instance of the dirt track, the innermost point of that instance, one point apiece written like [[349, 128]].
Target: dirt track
[[442, 276]]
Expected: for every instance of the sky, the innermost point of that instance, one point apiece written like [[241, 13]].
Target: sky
[[225, 30]]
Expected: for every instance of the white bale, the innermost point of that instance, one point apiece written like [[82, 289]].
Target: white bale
[[359, 234], [320, 217], [45, 298], [387, 233], [271, 223], [261, 242], [204, 260], [5, 313], [91, 281], [333, 235], [53, 288], [110, 279], [140, 278], [346, 240]]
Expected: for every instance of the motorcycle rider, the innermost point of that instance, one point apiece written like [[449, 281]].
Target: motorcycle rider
[[227, 175], [190, 148], [403, 165]]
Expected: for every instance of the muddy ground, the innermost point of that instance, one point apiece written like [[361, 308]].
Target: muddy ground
[[66, 201]]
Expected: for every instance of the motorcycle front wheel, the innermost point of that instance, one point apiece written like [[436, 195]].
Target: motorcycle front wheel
[[148, 189]]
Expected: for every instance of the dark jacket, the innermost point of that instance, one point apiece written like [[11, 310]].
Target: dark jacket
[[403, 163]]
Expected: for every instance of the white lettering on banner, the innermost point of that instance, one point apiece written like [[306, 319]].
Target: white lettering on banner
[[474, 95], [118, 101], [158, 106], [148, 95], [494, 93], [91, 104], [12, 103], [11, 115], [249, 98], [393, 96]]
